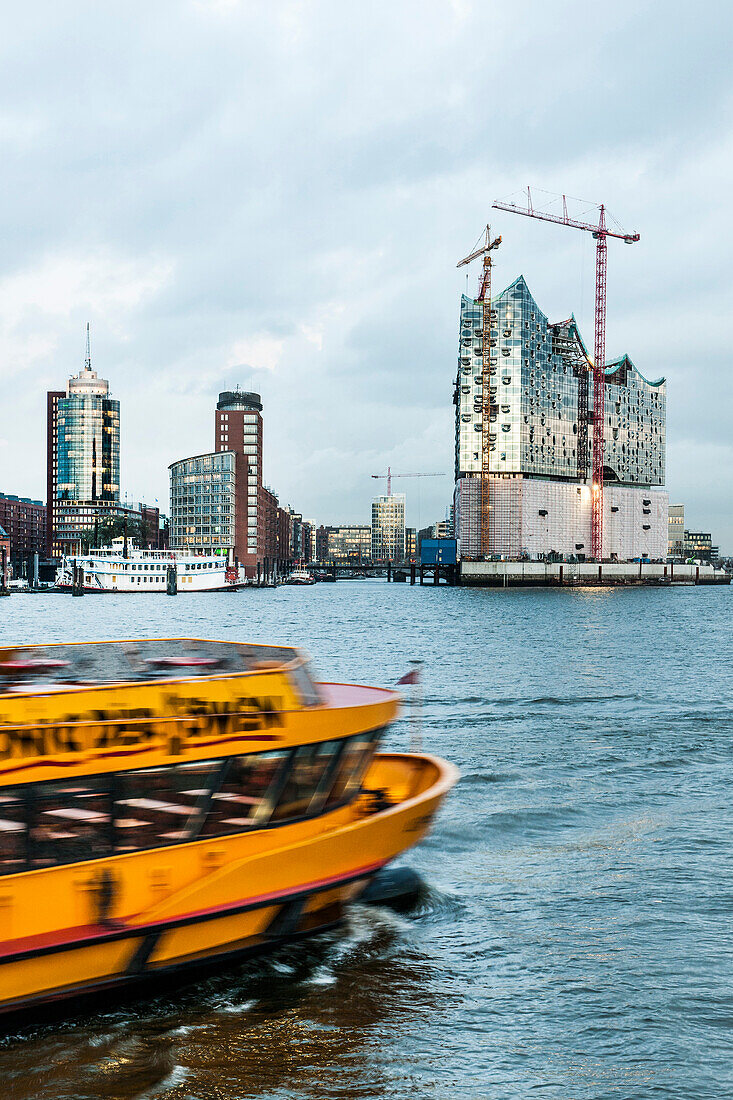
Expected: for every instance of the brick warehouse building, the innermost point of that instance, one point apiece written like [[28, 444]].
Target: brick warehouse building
[[24, 520]]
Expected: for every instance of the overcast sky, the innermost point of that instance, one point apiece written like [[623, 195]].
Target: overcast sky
[[276, 194]]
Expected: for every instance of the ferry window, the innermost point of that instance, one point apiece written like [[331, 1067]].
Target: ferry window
[[311, 765], [12, 832], [248, 788], [304, 684], [158, 806], [69, 822], [353, 762]]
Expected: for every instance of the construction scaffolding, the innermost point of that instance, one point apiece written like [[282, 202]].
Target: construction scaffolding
[[489, 409], [506, 516]]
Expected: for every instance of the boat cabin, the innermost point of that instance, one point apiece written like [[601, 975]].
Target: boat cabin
[[113, 748]]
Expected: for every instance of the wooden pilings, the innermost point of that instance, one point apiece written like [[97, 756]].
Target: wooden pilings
[[4, 590], [77, 581], [438, 571]]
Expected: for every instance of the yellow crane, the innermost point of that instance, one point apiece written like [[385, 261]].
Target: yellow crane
[[485, 249]]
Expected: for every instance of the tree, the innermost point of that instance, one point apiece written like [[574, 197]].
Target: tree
[[108, 528]]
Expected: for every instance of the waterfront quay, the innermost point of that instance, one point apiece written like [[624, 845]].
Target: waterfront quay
[[533, 574]]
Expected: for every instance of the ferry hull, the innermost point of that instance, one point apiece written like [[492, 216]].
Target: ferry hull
[[253, 898], [119, 961]]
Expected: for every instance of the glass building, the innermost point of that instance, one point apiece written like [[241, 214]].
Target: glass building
[[83, 458], [88, 441], [203, 502], [676, 532], [537, 372], [388, 528], [541, 380]]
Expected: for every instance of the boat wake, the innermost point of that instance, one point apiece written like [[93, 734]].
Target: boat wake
[[236, 1008], [436, 905], [489, 777], [176, 1077]]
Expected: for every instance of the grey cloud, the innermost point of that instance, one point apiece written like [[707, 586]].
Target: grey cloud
[[309, 173]]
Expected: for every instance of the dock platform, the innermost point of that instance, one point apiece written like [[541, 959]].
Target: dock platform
[[518, 574]]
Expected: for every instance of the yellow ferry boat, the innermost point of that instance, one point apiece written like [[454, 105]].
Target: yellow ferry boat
[[168, 804]]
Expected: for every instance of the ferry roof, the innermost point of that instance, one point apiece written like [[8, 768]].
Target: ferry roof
[[86, 664], [92, 708]]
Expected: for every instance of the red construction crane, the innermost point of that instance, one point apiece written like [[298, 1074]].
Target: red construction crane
[[484, 296], [389, 475], [600, 232]]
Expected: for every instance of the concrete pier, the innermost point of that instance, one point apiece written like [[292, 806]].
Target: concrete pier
[[519, 574]]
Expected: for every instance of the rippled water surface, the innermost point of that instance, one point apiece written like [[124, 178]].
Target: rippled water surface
[[575, 939]]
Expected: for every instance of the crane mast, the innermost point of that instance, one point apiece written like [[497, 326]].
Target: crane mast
[[601, 233], [599, 391], [484, 296]]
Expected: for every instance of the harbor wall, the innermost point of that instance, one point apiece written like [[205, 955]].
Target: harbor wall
[[498, 574]]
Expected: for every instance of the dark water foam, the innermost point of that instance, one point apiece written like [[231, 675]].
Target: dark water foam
[[574, 941]]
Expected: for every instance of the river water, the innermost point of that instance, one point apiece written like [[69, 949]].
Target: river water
[[575, 937]]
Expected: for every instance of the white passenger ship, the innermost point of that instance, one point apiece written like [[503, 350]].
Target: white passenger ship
[[108, 569]]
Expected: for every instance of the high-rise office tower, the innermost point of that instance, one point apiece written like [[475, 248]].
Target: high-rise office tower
[[238, 428], [388, 528], [83, 458]]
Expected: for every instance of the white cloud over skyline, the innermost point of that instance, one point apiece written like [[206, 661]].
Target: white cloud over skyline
[[277, 195]]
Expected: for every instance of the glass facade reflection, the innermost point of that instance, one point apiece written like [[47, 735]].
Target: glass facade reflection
[[537, 370], [203, 502], [541, 439], [83, 459], [88, 435], [388, 528]]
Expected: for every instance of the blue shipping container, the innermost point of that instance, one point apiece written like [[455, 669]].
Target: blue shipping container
[[438, 551]]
